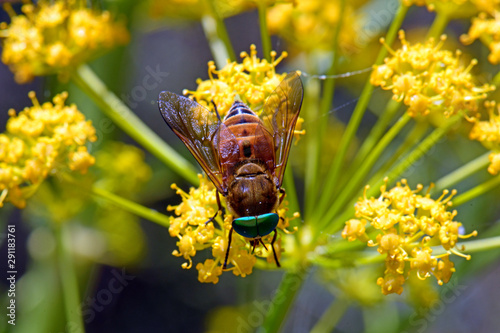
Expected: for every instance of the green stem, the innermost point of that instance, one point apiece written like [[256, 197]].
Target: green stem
[[480, 245], [416, 154], [334, 172], [291, 192], [315, 151], [438, 25], [283, 300], [479, 163], [122, 116], [132, 207], [410, 141], [476, 191], [264, 32], [217, 36], [376, 181], [496, 79], [69, 281], [355, 182], [331, 316], [125, 204], [377, 132]]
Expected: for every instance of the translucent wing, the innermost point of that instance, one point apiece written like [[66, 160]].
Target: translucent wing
[[280, 115], [198, 128]]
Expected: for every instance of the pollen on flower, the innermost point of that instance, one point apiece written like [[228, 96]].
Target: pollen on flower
[[428, 79], [55, 36], [306, 24], [407, 223], [488, 133], [189, 225], [42, 140], [456, 8], [486, 29], [251, 81]]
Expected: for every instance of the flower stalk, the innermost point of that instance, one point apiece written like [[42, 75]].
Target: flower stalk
[[69, 281], [330, 184], [122, 116]]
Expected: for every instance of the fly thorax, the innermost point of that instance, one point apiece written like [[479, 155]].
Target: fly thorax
[[252, 192]]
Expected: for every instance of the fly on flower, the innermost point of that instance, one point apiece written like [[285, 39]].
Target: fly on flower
[[244, 155]]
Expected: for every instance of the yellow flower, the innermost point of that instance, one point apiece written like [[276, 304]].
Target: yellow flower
[[307, 24], [196, 9], [407, 224], [488, 133], [428, 79], [457, 8], [56, 36], [487, 30], [251, 81], [194, 234], [42, 140]]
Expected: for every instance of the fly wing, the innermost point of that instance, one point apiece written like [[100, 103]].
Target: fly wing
[[198, 128], [280, 114]]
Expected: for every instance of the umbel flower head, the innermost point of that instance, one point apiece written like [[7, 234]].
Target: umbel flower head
[[428, 79], [195, 234], [250, 81], [404, 225], [39, 141], [487, 29], [307, 24], [457, 8], [196, 9], [488, 133], [55, 36]]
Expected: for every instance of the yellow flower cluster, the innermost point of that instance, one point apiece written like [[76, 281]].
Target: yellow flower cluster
[[252, 81], [488, 133], [429, 79], [307, 24], [39, 141], [405, 225], [457, 8], [53, 36], [195, 234], [487, 29], [196, 9]]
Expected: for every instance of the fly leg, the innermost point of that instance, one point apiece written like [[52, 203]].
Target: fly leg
[[274, 251], [219, 208], [228, 247], [282, 197]]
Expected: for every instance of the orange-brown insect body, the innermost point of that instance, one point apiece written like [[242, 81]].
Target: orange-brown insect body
[[243, 155], [247, 157]]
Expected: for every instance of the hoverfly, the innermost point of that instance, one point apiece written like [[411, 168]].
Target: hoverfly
[[243, 155]]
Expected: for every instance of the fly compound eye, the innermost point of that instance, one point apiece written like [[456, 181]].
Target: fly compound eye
[[256, 226]]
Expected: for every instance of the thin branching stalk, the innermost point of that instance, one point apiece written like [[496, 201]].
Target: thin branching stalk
[[123, 117], [331, 317], [217, 36], [265, 37], [376, 132], [466, 170], [356, 181], [476, 191], [376, 181], [283, 300], [317, 135], [438, 25], [69, 281], [330, 184]]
